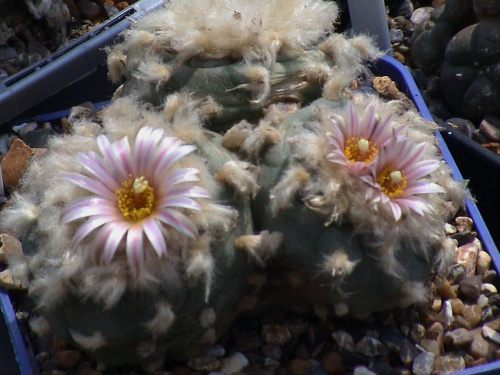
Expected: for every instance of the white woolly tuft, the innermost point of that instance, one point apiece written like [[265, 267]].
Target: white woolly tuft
[[259, 85], [236, 135], [261, 137], [152, 70], [21, 213], [285, 190], [240, 175], [116, 64], [262, 247], [90, 343], [162, 320], [337, 264], [252, 30], [207, 317], [415, 292], [40, 325]]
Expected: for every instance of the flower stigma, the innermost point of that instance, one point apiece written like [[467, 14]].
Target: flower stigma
[[392, 182], [359, 149], [135, 198]]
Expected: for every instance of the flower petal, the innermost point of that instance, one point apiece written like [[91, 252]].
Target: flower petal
[[423, 187], [396, 210], [178, 201], [155, 236], [135, 256], [188, 191], [116, 233], [91, 224], [95, 165], [421, 169], [90, 184], [178, 221], [88, 206]]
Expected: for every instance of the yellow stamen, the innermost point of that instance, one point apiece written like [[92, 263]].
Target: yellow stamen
[[392, 182], [359, 149], [135, 199]]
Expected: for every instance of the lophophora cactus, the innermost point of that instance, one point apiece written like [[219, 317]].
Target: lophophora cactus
[[358, 190], [141, 230], [129, 239], [245, 55]]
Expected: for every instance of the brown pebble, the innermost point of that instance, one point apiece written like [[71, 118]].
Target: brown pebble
[[399, 56], [470, 287], [463, 223], [66, 359], [457, 306], [480, 347], [417, 332], [297, 367], [386, 87], [121, 5], [276, 334], [431, 346], [333, 363], [483, 262], [473, 314], [88, 9], [458, 338], [14, 163], [444, 289], [9, 246], [448, 363], [466, 256]]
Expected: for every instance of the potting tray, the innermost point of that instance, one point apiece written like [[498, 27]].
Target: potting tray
[[18, 352], [71, 63]]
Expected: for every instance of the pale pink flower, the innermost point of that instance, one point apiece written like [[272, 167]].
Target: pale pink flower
[[398, 178], [137, 194], [356, 140]]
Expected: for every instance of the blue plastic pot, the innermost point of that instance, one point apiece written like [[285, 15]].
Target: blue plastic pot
[[15, 351]]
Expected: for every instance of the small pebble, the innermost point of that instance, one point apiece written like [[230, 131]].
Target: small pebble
[[448, 363], [234, 364], [66, 359], [458, 338], [470, 287], [423, 363], [457, 306], [472, 314], [344, 340], [483, 262], [491, 334], [333, 363], [276, 334], [489, 289]]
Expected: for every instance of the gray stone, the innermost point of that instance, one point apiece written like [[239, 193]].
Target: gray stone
[[396, 35], [470, 287], [424, 363], [489, 130], [458, 338]]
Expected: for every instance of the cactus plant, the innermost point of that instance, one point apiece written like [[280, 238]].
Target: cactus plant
[[129, 245], [244, 55], [361, 196], [133, 248]]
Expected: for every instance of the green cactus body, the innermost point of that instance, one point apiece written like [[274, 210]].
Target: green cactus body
[[360, 259], [172, 313]]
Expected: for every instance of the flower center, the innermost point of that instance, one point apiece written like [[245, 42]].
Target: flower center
[[392, 182], [359, 149], [135, 198]]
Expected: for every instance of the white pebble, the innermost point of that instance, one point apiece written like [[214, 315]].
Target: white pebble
[[234, 364], [491, 334]]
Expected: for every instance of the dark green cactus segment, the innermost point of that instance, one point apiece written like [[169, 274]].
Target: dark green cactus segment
[[241, 90], [121, 334], [341, 263]]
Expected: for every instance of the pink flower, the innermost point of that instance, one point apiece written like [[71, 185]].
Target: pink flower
[[356, 141], [398, 176], [137, 195]]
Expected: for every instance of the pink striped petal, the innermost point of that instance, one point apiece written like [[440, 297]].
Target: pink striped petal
[[367, 125], [94, 186], [118, 230], [95, 165], [155, 236], [145, 146], [179, 176], [90, 225], [353, 121], [421, 169], [414, 204], [178, 221], [423, 187], [396, 210], [117, 155], [180, 202], [188, 191], [88, 206], [135, 255]]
